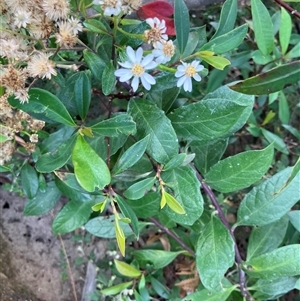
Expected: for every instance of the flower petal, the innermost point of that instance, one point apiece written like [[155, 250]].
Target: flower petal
[[139, 55], [197, 77], [150, 79], [135, 83], [181, 81], [179, 73], [126, 64], [145, 83], [187, 86], [130, 53]]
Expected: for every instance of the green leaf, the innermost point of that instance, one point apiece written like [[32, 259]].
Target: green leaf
[[95, 26], [227, 18], [217, 62], [278, 142], [129, 213], [151, 120], [82, 94], [159, 288], [138, 189], [43, 202], [90, 170], [208, 153], [126, 270], [95, 63], [108, 78], [156, 258], [72, 216], [112, 127], [214, 254], [240, 171], [284, 110], [263, 27], [270, 81], [228, 41], [219, 114], [186, 190], [3, 138], [116, 288], [295, 170], [264, 204], [282, 262], [176, 161], [131, 156], [292, 130], [266, 238], [294, 217], [294, 52], [182, 23], [29, 181], [285, 30], [45, 104], [207, 295], [173, 203], [273, 289], [56, 159], [120, 236]]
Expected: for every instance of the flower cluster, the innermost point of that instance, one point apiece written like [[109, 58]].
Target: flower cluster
[[115, 7]]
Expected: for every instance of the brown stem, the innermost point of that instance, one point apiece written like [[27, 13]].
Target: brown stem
[[288, 8]]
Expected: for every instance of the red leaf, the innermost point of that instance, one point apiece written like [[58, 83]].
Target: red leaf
[[161, 10]]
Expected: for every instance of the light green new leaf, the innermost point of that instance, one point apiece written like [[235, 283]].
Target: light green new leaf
[[43, 202], [112, 127], [3, 138], [294, 52], [44, 104], [131, 156], [127, 270], [90, 170], [266, 203], [138, 189], [276, 140], [240, 171], [186, 190], [120, 237], [173, 203], [263, 27], [82, 94], [116, 288], [176, 161], [282, 262], [266, 238], [29, 181], [182, 23], [217, 62], [157, 258], [163, 144], [285, 30], [214, 254], [220, 114], [72, 216], [207, 295], [294, 217], [284, 110], [108, 78]]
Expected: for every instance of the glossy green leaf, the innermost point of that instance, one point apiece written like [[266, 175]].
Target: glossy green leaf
[[45, 104], [264, 204], [263, 27], [131, 156], [173, 203], [266, 238], [43, 202], [95, 63], [29, 181], [95, 26], [281, 262], [108, 79], [129, 213], [240, 171], [151, 120], [116, 288], [159, 288], [285, 30], [182, 23], [82, 94], [284, 110], [126, 270], [207, 295], [138, 189], [276, 140], [186, 190], [90, 170], [120, 236], [208, 153], [72, 216], [114, 126], [294, 217], [270, 81], [214, 254], [51, 161], [294, 172], [227, 41], [176, 161], [156, 258], [227, 18], [292, 130], [219, 114]]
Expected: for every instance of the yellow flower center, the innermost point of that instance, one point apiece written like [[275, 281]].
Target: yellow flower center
[[153, 35], [168, 49], [190, 71], [137, 70]]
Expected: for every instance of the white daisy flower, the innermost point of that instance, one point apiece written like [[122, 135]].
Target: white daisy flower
[[110, 7], [163, 51], [157, 33], [186, 72], [75, 24], [136, 67], [22, 18]]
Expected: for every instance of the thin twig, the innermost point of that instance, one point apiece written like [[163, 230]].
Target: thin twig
[[288, 8], [238, 258], [172, 234]]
